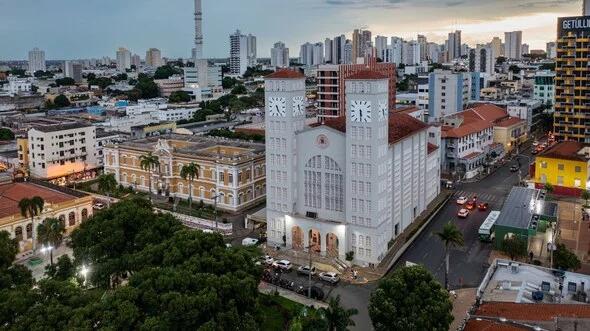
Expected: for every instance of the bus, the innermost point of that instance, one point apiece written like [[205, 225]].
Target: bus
[[486, 230]]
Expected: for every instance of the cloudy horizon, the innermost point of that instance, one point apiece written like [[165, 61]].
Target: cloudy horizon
[[70, 29]]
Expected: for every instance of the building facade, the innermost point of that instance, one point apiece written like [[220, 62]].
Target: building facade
[[238, 53], [153, 58], [350, 183], [544, 88], [448, 92], [566, 166], [36, 60], [123, 59], [231, 172], [279, 55], [572, 100], [513, 45]]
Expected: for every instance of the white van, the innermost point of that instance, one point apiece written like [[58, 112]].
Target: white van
[[249, 242]]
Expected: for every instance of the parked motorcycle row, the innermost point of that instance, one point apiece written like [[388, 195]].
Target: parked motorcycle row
[[274, 277]]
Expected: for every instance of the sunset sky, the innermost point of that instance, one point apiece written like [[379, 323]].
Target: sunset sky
[[88, 28]]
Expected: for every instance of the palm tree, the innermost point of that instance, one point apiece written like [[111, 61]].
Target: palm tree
[[451, 236], [51, 233], [586, 196], [30, 208], [190, 172], [148, 162], [338, 317], [107, 184]]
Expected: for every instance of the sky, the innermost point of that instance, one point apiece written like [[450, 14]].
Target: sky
[[73, 29]]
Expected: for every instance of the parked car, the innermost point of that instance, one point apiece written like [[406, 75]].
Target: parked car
[[267, 259], [284, 265], [98, 206], [463, 213], [306, 270], [470, 205], [461, 200], [514, 168], [483, 206], [330, 277], [249, 241], [316, 292]]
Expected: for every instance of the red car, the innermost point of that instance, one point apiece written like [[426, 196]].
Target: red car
[[470, 205], [483, 206]]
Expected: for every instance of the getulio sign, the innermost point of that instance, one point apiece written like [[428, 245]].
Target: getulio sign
[[575, 24]]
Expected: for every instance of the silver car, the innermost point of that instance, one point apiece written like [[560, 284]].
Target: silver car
[[306, 270], [330, 277]]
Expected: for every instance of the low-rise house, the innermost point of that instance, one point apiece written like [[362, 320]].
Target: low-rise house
[[565, 166]]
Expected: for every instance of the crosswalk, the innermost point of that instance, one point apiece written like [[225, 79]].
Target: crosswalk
[[482, 197]]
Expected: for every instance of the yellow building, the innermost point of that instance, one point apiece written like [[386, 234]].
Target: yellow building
[[70, 207], [564, 166], [510, 132], [232, 171]]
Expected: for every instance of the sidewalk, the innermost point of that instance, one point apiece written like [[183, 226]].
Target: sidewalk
[[461, 305], [267, 288]]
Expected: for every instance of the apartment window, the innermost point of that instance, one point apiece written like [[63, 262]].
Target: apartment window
[[560, 167], [577, 182], [559, 180], [544, 165], [230, 178], [578, 169], [221, 176]]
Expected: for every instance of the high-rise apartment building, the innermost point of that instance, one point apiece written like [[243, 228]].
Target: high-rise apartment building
[[348, 53], [252, 50], [337, 50], [153, 58], [454, 45], [572, 83], [240, 54], [361, 43], [311, 54], [496, 45], [381, 46], [136, 61], [423, 42], [73, 70], [482, 59], [449, 93], [513, 45], [36, 60], [123, 59], [328, 52], [279, 55], [331, 96], [551, 50], [411, 53]]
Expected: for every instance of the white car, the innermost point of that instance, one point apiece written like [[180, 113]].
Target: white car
[[306, 270], [98, 206], [267, 259], [463, 213], [283, 265], [330, 277], [461, 200], [249, 242]]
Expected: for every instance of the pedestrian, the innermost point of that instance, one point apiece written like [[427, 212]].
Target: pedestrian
[[354, 274]]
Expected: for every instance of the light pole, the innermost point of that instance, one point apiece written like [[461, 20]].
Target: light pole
[[84, 273], [309, 275]]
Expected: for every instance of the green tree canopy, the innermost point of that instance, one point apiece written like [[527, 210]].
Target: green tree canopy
[[179, 96], [410, 299], [66, 81], [6, 134], [145, 88], [565, 259], [515, 247], [239, 89], [228, 82], [164, 72], [61, 101]]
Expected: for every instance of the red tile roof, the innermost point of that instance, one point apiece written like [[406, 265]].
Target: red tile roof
[[481, 325], [566, 150], [475, 120], [400, 126], [286, 74], [367, 74], [508, 122], [471, 155], [533, 311], [12, 193], [432, 148]]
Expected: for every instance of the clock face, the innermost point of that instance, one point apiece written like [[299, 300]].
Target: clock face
[[360, 111], [277, 106], [382, 111], [298, 107]]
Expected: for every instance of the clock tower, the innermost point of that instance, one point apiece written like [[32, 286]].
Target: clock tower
[[367, 184], [284, 116]]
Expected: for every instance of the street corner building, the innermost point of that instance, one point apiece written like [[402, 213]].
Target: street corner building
[[346, 184], [231, 172], [565, 166], [69, 206]]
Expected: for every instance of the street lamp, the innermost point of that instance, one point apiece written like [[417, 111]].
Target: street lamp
[[84, 273]]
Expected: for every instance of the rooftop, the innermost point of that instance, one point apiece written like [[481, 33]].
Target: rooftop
[[566, 150], [475, 119], [285, 74], [12, 193], [366, 74], [508, 122], [62, 127], [514, 282], [519, 207]]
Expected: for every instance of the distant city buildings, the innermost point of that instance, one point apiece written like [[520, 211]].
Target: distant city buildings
[[242, 52], [551, 50], [453, 44], [544, 88], [361, 43], [73, 70], [496, 45], [36, 60], [513, 45], [449, 93], [482, 59], [153, 58], [311, 54], [123, 59], [279, 55]]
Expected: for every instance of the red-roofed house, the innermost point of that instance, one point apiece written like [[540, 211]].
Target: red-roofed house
[[350, 183], [468, 140]]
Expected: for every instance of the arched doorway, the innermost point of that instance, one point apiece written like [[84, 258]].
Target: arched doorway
[[332, 244], [62, 220], [315, 240], [297, 238], [18, 233], [71, 219], [84, 214]]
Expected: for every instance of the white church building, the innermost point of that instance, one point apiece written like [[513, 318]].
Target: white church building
[[347, 184]]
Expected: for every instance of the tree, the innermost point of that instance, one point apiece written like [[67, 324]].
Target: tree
[[586, 196], [6, 134], [514, 68], [451, 237], [107, 184], [239, 89], [50, 233], [179, 96], [228, 82], [309, 319], [148, 162], [31, 208], [164, 72], [564, 259], [190, 172], [338, 318], [500, 60], [66, 81], [410, 299], [145, 88], [548, 187], [63, 270], [120, 77], [61, 101], [8, 250], [515, 247]]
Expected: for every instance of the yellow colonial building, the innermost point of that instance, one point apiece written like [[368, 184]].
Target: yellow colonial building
[[231, 172], [564, 166], [71, 207]]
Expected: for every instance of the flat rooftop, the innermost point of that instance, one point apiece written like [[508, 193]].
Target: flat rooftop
[[509, 281], [519, 208], [12, 193]]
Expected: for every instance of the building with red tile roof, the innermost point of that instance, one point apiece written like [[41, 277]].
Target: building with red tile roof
[[72, 207], [565, 166]]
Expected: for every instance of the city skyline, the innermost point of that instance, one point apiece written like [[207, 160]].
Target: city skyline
[[139, 25]]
